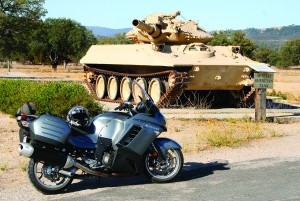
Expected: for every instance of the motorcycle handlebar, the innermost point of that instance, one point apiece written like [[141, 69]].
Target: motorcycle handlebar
[[126, 106], [120, 107]]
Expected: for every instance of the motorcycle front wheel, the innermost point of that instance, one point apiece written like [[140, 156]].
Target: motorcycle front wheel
[[45, 177], [159, 170]]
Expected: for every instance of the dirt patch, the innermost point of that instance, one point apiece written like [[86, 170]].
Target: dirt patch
[[12, 165]]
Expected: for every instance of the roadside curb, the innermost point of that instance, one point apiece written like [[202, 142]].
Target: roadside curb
[[286, 119]]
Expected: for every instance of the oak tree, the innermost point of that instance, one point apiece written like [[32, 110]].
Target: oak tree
[[17, 20]]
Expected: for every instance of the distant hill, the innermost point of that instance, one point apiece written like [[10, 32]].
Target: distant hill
[[272, 37], [107, 32]]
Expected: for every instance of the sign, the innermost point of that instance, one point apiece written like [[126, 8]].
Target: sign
[[263, 80]]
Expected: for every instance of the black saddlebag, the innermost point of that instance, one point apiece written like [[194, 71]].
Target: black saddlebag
[[50, 129]]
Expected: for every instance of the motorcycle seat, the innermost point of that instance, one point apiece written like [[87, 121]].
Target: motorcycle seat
[[90, 129]]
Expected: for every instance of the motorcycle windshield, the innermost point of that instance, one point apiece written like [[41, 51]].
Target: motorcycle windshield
[[145, 103], [140, 94]]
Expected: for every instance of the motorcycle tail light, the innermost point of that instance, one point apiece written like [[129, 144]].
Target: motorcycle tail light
[[23, 117]]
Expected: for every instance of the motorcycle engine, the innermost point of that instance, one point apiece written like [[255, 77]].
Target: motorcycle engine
[[107, 159]]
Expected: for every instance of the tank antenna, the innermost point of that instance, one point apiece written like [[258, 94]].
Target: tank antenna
[[182, 16]]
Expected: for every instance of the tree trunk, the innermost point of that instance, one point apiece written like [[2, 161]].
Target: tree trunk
[[65, 64], [9, 64], [54, 60], [54, 66]]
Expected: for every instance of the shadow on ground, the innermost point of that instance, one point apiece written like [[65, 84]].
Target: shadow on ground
[[270, 104], [190, 171], [274, 105]]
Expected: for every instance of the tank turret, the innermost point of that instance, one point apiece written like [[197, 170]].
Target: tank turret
[[162, 28], [152, 30]]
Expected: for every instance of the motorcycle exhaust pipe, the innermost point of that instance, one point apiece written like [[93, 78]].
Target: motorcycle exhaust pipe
[[89, 171], [47, 155]]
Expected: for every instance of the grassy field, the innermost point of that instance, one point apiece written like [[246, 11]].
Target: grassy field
[[287, 82], [200, 134]]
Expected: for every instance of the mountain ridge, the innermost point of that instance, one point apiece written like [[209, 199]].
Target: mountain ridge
[[272, 37], [106, 32]]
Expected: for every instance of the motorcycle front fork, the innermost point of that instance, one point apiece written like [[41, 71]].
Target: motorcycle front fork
[[156, 152]]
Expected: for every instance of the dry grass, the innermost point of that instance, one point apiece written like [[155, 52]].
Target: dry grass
[[71, 72], [232, 134], [202, 134], [287, 76], [23, 164], [3, 166], [287, 83]]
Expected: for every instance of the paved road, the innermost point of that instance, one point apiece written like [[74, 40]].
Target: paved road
[[265, 179]]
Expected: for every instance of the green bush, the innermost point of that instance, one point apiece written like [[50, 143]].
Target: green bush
[[280, 94], [56, 98]]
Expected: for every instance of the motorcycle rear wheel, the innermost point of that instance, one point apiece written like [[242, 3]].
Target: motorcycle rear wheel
[[159, 170], [46, 180]]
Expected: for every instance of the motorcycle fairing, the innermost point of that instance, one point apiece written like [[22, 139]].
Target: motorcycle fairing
[[82, 141], [140, 131], [128, 161], [110, 124]]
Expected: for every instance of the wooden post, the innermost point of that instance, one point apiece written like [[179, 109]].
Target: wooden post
[[260, 104]]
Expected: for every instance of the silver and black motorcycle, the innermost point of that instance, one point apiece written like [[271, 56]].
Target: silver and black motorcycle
[[111, 144]]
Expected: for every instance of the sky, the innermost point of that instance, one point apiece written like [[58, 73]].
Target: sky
[[210, 14]]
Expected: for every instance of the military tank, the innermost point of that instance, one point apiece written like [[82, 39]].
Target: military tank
[[169, 57]]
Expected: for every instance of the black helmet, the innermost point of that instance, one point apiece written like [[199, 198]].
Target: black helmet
[[28, 108], [78, 116]]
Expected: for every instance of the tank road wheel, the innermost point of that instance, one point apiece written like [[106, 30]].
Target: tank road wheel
[[136, 91], [155, 89], [101, 86], [125, 88], [113, 87]]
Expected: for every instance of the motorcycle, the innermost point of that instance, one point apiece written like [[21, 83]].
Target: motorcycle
[[129, 139]]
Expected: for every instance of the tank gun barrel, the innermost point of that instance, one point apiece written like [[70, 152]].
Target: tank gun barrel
[[152, 30]]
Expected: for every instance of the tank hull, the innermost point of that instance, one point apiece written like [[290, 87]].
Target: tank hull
[[208, 67]]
